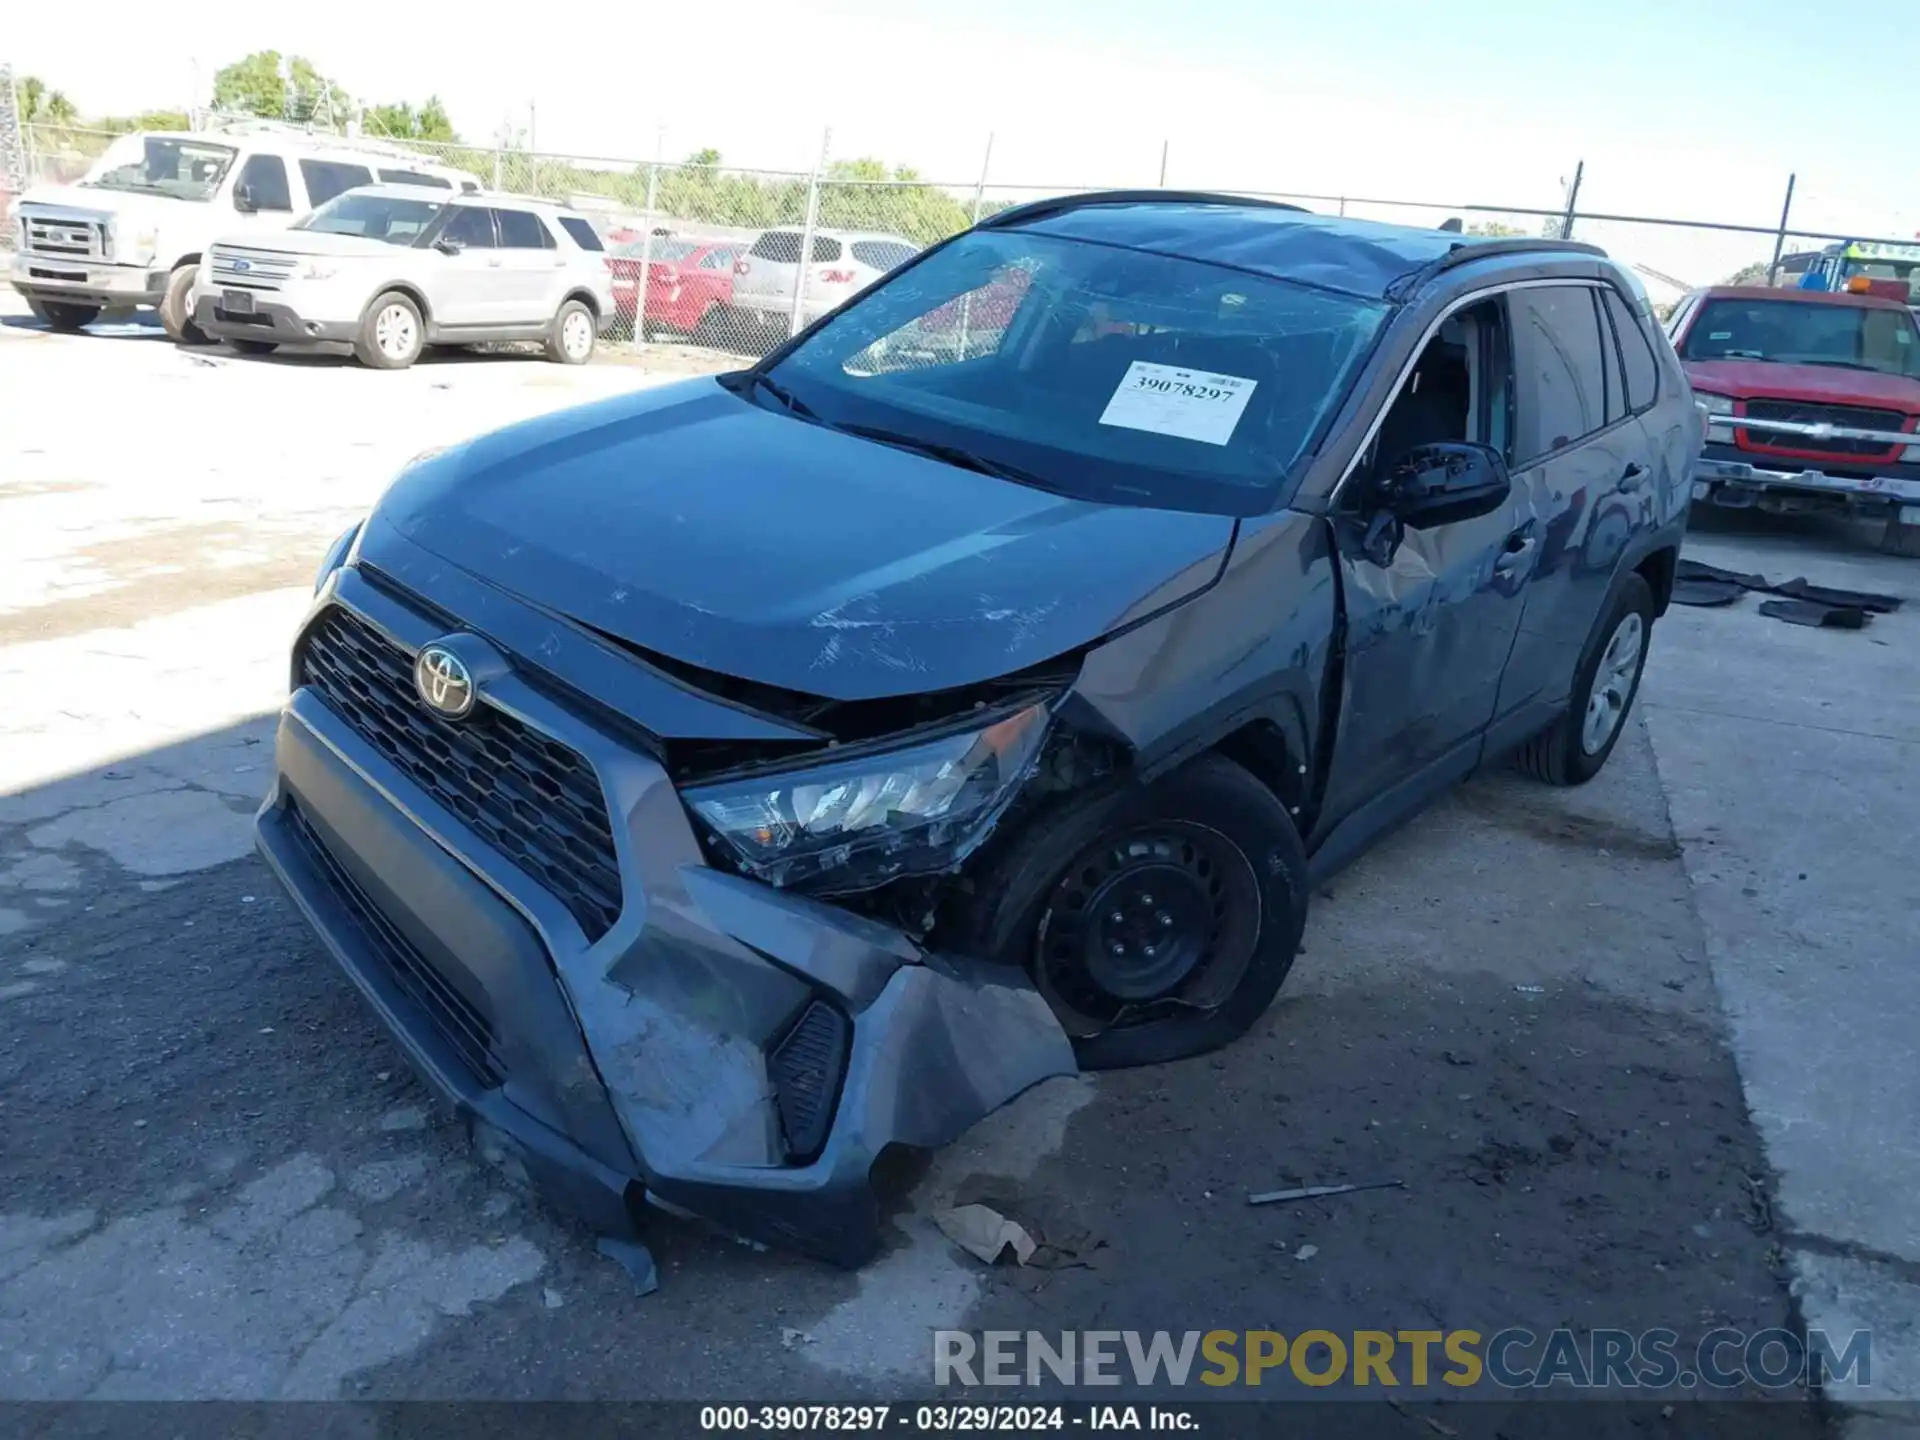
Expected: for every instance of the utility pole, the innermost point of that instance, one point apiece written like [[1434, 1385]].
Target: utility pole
[[533, 128]]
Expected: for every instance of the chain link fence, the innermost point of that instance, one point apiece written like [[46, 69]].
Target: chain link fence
[[712, 263]]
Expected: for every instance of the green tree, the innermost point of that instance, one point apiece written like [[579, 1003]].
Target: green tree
[[402, 121], [40, 105], [256, 85]]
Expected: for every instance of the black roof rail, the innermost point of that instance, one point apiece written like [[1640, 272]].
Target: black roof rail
[[1468, 251], [1061, 204]]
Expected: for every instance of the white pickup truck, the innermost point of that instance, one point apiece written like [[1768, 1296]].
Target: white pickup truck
[[132, 231]]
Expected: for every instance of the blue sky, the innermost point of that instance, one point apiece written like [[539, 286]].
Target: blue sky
[[1692, 107]]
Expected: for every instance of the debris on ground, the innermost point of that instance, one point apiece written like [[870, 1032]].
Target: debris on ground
[[1314, 1192], [1817, 616], [985, 1233], [635, 1259], [1818, 606], [791, 1339], [1306, 1252]]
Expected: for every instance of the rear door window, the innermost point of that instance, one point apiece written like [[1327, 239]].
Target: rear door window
[[825, 250], [881, 254], [583, 234], [782, 247], [1560, 370], [327, 178], [1636, 354], [522, 230]]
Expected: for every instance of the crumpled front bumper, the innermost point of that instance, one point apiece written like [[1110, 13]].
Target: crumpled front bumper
[[724, 1048]]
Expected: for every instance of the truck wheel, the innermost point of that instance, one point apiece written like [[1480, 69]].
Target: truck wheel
[[64, 317], [1572, 750], [1899, 539], [1170, 923], [392, 334], [174, 318], [571, 338]]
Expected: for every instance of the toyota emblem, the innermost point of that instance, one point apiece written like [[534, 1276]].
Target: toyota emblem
[[444, 682]]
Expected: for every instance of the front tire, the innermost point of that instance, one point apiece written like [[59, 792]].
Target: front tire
[[175, 317], [571, 338], [392, 333], [1172, 924], [67, 319], [1573, 749]]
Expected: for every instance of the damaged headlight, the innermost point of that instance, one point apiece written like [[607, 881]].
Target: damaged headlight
[[853, 824], [1716, 406]]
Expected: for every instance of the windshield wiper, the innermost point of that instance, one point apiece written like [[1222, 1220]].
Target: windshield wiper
[[953, 455], [747, 379], [1849, 365]]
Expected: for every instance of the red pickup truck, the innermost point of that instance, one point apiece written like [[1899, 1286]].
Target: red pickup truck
[[1812, 401]]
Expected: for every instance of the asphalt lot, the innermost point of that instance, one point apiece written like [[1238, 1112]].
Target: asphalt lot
[[1642, 1053]]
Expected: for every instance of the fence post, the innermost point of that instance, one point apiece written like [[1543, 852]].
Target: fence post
[[980, 188], [806, 234], [1780, 236], [496, 170], [1164, 144], [1573, 199], [646, 255]]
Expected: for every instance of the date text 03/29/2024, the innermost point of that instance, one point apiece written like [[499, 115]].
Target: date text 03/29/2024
[[942, 1418]]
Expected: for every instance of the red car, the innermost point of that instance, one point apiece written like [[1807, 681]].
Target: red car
[[1812, 401], [687, 280]]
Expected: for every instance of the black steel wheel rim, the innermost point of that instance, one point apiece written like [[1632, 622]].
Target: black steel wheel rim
[[1163, 917]]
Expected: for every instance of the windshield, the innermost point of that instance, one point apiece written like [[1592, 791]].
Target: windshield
[[161, 165], [1788, 332], [1104, 373], [396, 220]]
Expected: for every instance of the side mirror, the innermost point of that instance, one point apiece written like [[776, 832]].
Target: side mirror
[[243, 200], [447, 245], [1444, 484]]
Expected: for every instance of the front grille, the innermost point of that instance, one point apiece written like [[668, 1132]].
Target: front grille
[[805, 1069], [1848, 416], [65, 239], [533, 799], [235, 268], [467, 1032]]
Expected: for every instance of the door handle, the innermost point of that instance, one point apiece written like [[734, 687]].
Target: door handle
[[1633, 477]]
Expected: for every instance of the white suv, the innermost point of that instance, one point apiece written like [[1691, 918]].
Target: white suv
[[391, 269], [843, 263], [132, 232]]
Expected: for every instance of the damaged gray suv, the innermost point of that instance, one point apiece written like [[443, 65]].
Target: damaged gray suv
[[716, 787]]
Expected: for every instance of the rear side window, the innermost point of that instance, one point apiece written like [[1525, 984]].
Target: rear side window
[[881, 254], [1636, 354], [522, 230], [583, 234], [1560, 376], [413, 177], [327, 178], [265, 177], [825, 251], [780, 246]]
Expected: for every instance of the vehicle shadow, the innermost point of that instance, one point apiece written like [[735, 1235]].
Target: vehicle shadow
[[1832, 536]]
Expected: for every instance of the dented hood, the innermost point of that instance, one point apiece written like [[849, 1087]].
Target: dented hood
[[690, 522]]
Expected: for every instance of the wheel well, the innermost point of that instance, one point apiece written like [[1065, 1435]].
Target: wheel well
[[586, 298], [412, 292], [1657, 570], [1260, 749], [184, 261]]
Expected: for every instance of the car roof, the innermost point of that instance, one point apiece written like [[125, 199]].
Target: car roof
[[1801, 297], [1358, 257], [396, 190]]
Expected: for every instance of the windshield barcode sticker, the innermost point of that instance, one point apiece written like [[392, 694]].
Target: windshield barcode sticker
[[1188, 404]]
